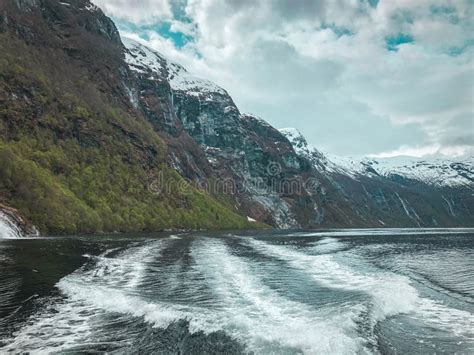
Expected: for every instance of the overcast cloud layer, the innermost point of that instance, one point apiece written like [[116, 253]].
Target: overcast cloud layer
[[386, 78]]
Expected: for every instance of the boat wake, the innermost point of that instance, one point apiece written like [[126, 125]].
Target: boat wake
[[230, 286]]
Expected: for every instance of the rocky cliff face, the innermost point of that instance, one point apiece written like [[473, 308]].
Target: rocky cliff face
[[244, 157], [239, 153], [127, 113]]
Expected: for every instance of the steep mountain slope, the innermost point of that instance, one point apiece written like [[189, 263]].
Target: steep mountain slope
[[75, 155], [399, 191], [238, 148]]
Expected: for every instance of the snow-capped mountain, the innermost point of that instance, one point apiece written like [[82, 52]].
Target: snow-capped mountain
[[437, 172], [420, 190]]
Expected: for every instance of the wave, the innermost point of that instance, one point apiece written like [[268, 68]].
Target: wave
[[327, 245], [262, 318], [107, 285], [390, 294], [243, 306]]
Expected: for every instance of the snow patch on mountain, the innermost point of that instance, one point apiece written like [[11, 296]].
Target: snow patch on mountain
[[142, 59], [297, 140]]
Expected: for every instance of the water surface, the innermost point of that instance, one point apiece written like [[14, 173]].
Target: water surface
[[339, 292]]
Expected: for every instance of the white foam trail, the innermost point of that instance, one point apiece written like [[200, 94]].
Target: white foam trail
[[458, 322], [103, 298], [108, 287], [248, 310], [59, 327], [328, 240], [127, 270], [391, 293], [74, 322], [261, 318], [327, 245]]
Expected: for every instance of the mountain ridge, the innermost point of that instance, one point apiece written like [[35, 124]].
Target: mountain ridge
[[434, 171]]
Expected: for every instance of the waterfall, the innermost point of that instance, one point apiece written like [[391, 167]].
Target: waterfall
[[8, 228]]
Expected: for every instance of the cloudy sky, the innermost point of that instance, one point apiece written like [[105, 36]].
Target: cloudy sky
[[357, 77]]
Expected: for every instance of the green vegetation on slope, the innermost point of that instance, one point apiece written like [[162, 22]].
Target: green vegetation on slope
[[73, 162]]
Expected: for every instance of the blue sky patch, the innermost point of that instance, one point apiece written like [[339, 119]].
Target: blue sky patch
[[179, 39], [373, 3], [392, 42], [455, 51], [163, 29], [339, 31]]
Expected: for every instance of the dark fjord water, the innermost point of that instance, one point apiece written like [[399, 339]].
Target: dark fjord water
[[335, 292]]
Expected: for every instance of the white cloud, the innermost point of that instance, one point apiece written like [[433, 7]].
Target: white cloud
[[435, 150], [412, 151], [324, 67]]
